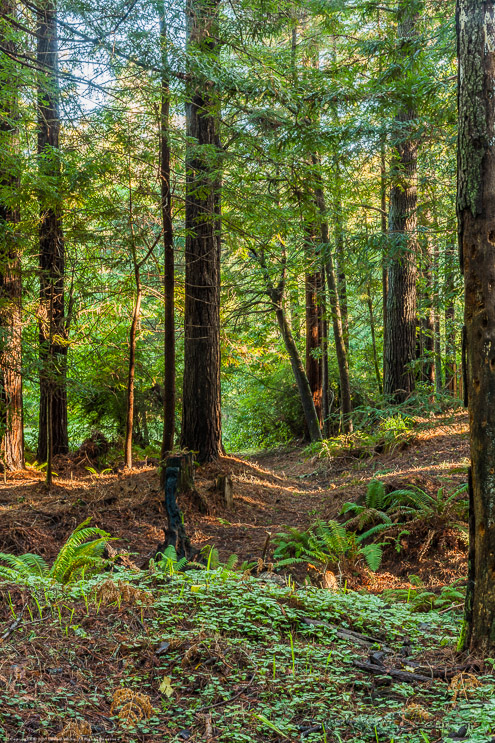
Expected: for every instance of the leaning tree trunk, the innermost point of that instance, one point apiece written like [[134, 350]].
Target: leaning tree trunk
[[298, 370], [400, 341], [11, 428], [52, 329], [168, 248], [201, 418], [476, 221]]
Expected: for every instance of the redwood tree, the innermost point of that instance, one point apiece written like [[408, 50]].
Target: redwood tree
[[11, 429], [201, 417], [53, 436], [476, 220], [400, 341], [168, 248]]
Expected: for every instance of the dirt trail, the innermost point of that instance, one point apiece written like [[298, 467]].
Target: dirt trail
[[274, 489]]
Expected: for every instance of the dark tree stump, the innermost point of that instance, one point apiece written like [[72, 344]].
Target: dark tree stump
[[177, 471]]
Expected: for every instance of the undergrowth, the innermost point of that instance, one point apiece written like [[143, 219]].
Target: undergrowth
[[142, 656]]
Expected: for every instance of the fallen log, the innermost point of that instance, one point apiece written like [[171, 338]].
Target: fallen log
[[394, 673], [348, 634]]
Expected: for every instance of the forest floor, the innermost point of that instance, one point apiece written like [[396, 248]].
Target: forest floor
[[135, 656], [286, 487]]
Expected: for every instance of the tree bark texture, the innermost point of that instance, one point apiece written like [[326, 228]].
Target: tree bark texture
[[335, 313], [450, 350], [428, 316], [168, 248], [11, 423], [400, 342], [201, 412], [131, 373], [476, 222], [52, 326], [314, 330]]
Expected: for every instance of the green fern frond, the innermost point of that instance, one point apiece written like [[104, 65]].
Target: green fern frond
[[25, 565], [372, 553], [231, 562], [375, 494]]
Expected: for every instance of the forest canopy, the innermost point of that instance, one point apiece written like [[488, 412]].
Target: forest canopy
[[267, 190]]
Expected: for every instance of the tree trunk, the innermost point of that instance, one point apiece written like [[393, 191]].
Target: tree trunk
[[400, 342], [369, 302], [476, 217], [437, 348], [340, 255], [313, 293], [450, 365], [305, 393], [335, 312], [383, 220], [201, 417], [428, 319], [131, 374], [52, 327], [11, 424], [168, 247]]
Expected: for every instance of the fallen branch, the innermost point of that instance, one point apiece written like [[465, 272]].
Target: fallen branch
[[395, 673], [348, 634]]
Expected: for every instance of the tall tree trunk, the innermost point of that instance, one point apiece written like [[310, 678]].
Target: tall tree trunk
[[450, 361], [201, 412], [437, 349], [383, 221], [476, 217], [334, 302], [340, 255], [369, 302], [131, 373], [428, 318], [325, 381], [11, 425], [313, 293], [52, 327], [400, 342], [168, 247]]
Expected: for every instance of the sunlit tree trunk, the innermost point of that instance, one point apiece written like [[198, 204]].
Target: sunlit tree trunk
[[201, 412], [52, 327], [476, 215], [11, 428]]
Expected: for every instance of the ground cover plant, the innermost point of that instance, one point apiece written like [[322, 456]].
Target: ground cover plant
[[213, 655]]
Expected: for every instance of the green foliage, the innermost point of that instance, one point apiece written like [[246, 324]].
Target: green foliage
[[80, 556], [167, 561], [380, 508], [380, 431], [421, 600], [326, 544]]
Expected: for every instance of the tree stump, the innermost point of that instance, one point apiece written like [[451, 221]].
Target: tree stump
[[177, 472], [225, 488]]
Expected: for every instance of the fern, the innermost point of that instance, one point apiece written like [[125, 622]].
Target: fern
[[372, 554], [77, 558], [375, 494]]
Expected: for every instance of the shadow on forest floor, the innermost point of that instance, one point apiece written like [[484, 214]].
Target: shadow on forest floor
[[272, 489]]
